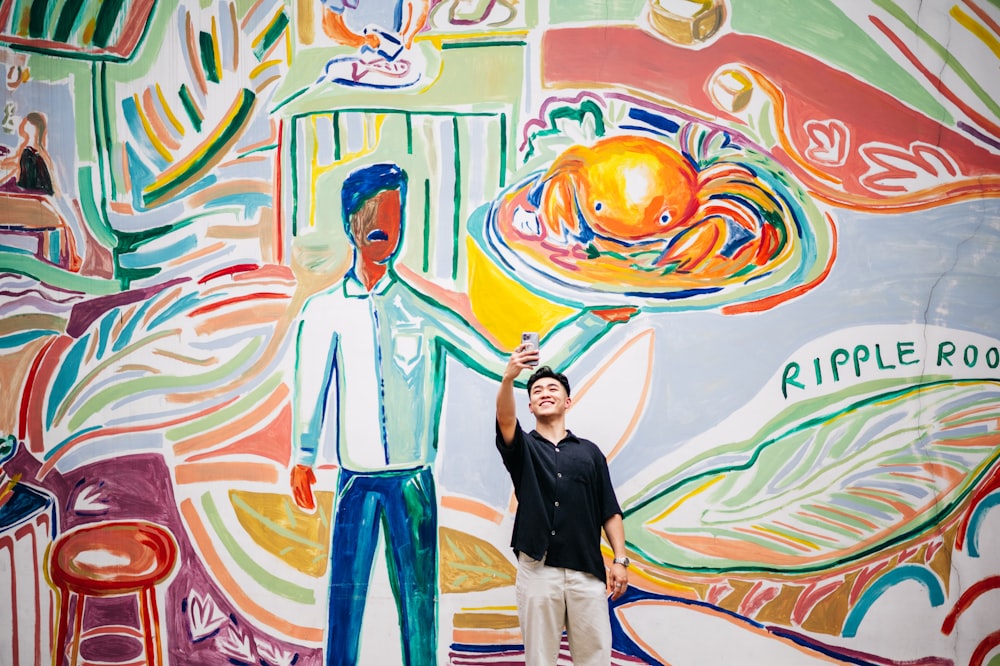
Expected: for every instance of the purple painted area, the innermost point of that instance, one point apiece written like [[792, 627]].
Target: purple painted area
[[110, 648], [139, 487], [85, 313]]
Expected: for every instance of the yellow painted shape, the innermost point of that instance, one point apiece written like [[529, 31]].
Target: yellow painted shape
[[698, 490], [786, 536], [150, 132], [504, 306], [281, 528], [470, 564]]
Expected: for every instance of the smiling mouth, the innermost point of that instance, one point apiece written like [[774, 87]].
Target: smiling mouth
[[377, 235]]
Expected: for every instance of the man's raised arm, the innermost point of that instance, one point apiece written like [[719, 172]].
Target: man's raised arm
[[519, 361]]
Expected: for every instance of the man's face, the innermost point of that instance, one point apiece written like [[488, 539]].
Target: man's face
[[376, 227], [547, 398]]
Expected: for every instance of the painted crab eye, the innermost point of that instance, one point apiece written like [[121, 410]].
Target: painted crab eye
[[664, 218], [598, 206]]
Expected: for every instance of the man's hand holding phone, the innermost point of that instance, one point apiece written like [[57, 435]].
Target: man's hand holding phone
[[525, 357], [529, 343]]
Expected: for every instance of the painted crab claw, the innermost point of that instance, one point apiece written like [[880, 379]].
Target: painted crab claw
[[554, 195]]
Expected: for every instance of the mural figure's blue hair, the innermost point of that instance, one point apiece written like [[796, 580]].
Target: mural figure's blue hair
[[364, 183]]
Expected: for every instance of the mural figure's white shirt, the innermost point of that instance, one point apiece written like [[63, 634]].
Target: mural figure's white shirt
[[365, 362]]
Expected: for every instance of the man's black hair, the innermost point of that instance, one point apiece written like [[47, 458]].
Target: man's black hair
[[546, 371]]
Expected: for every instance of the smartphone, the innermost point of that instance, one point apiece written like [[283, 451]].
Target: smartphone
[[530, 341]]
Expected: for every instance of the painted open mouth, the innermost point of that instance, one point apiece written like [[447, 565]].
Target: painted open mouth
[[377, 235]]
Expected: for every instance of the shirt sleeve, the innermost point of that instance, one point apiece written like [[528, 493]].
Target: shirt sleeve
[[609, 501], [315, 353], [512, 455]]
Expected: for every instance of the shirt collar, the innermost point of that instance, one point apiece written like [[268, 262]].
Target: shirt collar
[[354, 288], [570, 437]]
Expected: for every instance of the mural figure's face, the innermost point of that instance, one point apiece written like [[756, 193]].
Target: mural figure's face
[[377, 226], [548, 398]]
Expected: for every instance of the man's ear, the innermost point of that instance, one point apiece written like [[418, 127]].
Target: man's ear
[[569, 402]]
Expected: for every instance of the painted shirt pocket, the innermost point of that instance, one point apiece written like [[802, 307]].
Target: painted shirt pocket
[[407, 352]]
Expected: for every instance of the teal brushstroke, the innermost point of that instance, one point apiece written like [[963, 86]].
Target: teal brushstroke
[[272, 35], [250, 202], [902, 573], [190, 108], [24, 337], [142, 259], [125, 337], [183, 304], [206, 44], [130, 112], [94, 218], [54, 276], [65, 379], [976, 521]]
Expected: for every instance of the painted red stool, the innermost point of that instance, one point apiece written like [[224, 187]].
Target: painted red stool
[[110, 559]]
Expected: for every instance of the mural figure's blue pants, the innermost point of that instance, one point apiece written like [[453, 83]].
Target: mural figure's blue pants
[[404, 503]]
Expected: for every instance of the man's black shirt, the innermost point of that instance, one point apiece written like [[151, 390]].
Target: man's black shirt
[[564, 496]]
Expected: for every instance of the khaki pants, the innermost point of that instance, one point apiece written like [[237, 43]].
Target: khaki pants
[[548, 599]]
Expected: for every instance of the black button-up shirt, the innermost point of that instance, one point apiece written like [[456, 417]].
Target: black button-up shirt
[[564, 496]]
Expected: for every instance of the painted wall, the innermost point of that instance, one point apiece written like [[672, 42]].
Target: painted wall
[[761, 236]]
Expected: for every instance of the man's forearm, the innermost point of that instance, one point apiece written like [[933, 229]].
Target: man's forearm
[[614, 529], [506, 409]]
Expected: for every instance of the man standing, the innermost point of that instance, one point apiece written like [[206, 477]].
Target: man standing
[[565, 498]]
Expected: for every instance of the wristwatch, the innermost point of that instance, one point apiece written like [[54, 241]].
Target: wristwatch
[[624, 561]]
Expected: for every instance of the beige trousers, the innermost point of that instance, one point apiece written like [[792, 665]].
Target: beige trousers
[[548, 599]]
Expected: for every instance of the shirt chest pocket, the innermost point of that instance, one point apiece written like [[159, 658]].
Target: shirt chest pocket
[[407, 352], [576, 470]]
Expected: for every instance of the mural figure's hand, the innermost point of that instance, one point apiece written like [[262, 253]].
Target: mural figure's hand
[[302, 481]]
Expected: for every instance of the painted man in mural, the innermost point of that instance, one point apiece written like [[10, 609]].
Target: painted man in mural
[[372, 329], [565, 498]]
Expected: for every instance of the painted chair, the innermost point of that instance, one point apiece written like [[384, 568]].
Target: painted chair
[[110, 559]]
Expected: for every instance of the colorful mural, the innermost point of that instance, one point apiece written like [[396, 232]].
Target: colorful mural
[[262, 262]]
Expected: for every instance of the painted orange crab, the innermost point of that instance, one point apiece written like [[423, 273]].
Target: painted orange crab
[[636, 195]]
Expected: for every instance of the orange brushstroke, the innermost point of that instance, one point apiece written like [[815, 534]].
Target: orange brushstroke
[[763, 534], [768, 303], [233, 428], [472, 507], [218, 305], [510, 637], [192, 53], [204, 472], [154, 119], [273, 440], [646, 336], [904, 509], [42, 371], [197, 254], [262, 312]]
